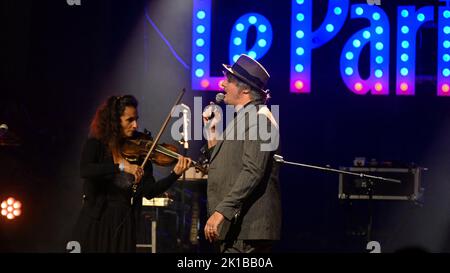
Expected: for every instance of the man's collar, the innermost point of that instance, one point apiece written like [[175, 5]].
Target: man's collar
[[239, 107]]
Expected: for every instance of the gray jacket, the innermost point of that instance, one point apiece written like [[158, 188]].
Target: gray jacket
[[243, 182]]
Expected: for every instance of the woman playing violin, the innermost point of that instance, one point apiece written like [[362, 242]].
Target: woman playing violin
[[107, 222]]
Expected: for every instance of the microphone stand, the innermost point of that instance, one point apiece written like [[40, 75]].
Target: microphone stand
[[279, 159], [184, 141], [370, 178]]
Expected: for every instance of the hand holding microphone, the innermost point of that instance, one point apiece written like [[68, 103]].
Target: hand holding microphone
[[212, 111], [211, 117]]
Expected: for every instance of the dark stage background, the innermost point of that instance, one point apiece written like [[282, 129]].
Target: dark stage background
[[58, 62]]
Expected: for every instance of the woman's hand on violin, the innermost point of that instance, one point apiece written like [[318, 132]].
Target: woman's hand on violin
[[182, 165], [135, 170]]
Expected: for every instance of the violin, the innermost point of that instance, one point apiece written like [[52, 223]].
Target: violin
[[134, 149]]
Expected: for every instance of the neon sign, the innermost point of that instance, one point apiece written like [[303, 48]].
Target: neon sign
[[304, 40]]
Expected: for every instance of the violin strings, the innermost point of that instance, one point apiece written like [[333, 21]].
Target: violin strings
[[170, 153]]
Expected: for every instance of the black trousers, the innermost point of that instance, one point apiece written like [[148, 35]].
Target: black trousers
[[246, 246]]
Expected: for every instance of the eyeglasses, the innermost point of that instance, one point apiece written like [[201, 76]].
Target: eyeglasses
[[229, 76]]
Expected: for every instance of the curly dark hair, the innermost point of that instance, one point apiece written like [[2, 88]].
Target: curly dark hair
[[105, 125]]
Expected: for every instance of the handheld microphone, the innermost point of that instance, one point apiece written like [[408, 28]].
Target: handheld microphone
[[219, 99]]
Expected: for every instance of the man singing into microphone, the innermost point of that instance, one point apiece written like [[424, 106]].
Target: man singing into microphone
[[243, 187]]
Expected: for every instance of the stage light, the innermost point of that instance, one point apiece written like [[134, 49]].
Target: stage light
[[404, 87], [11, 208], [378, 87], [200, 58], [358, 86], [405, 13], [379, 46], [446, 44], [200, 29], [446, 57], [299, 68], [299, 85], [359, 11], [304, 39], [379, 60], [262, 43], [356, 43], [349, 71], [446, 14], [252, 20], [446, 72], [201, 15], [329, 28], [239, 38], [404, 57], [349, 55], [447, 30], [200, 42], [378, 73], [379, 30], [204, 83], [17, 205], [199, 72], [405, 29], [337, 11], [405, 44], [445, 88], [376, 16], [366, 34], [420, 17], [404, 71], [262, 28]]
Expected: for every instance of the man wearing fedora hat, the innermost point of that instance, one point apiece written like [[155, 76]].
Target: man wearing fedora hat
[[244, 203]]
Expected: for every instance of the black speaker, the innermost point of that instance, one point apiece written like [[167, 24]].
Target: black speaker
[[355, 187]]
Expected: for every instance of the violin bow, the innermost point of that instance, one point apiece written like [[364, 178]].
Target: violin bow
[[163, 127], [155, 141]]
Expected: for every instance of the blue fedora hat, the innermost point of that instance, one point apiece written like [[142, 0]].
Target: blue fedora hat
[[249, 71]]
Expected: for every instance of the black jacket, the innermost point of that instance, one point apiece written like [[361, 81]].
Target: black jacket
[[97, 168]]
